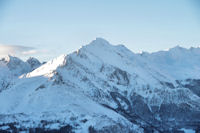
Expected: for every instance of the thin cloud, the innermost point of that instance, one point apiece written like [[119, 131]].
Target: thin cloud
[[30, 52], [16, 50]]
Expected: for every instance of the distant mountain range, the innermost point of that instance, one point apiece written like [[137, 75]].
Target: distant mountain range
[[102, 88]]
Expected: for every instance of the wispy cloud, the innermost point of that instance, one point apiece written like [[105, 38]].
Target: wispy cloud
[[17, 50], [30, 52]]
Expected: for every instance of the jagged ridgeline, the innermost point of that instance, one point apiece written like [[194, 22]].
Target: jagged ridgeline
[[102, 88]]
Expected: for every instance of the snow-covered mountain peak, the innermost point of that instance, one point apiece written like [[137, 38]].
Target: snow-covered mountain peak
[[49, 67], [178, 50], [32, 59], [98, 45], [9, 58], [177, 47], [99, 42], [33, 62], [15, 65]]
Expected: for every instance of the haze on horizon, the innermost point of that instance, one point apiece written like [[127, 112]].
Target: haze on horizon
[[46, 29]]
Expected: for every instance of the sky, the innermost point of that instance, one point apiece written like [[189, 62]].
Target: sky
[[46, 29]]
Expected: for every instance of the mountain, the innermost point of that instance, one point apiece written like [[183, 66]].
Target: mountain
[[34, 63], [107, 88], [12, 67], [15, 65]]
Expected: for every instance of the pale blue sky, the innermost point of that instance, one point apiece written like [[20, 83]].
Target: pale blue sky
[[57, 27]]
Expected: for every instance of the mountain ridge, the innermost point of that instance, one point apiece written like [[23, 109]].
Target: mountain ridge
[[150, 92]]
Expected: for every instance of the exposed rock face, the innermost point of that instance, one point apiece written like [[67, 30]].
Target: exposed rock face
[[106, 88], [33, 62]]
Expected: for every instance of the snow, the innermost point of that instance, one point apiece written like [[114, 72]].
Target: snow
[[56, 102], [48, 67], [176, 62], [144, 69], [15, 65], [76, 83]]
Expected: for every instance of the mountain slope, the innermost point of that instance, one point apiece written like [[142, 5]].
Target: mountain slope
[[156, 91]]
